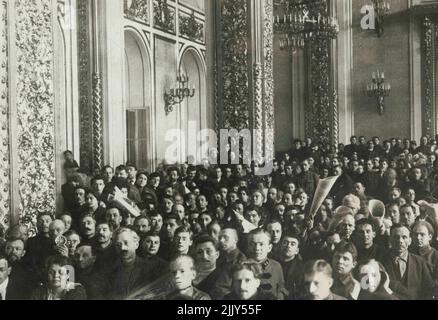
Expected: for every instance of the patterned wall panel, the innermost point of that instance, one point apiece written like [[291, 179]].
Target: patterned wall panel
[[35, 108], [4, 117]]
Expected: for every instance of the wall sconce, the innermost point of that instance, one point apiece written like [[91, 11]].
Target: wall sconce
[[379, 89], [381, 9], [178, 94]]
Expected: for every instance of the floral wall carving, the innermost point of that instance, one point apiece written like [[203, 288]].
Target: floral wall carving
[[428, 74], [164, 16], [84, 76], [137, 10], [234, 52], [5, 195], [191, 28], [35, 108]]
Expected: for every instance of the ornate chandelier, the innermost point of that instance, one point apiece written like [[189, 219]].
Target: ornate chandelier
[[298, 21]]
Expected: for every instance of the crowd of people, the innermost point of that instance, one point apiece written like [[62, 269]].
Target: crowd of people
[[221, 232]]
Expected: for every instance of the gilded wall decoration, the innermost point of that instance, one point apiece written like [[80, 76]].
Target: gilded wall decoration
[[35, 109], [137, 10], [268, 38], [191, 28], [428, 71], [164, 16], [97, 123], [84, 76], [5, 195], [234, 30]]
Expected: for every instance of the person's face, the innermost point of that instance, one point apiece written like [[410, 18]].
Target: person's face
[[369, 165], [218, 173], [121, 174], [243, 196], [104, 233], [14, 250], [191, 174], [365, 234], [224, 193], [126, 245], [318, 285], [57, 276], [353, 140], [141, 226], [227, 240], [245, 285], [289, 247], [394, 214], [229, 172], [67, 221], [182, 274], [275, 231], [407, 216], [182, 242], [394, 194], [305, 165], [80, 196], [329, 204], [173, 176], [168, 204], [142, 180], [359, 188], [179, 210], [346, 227], [217, 197], [91, 201], [204, 220], [155, 182], [56, 228], [259, 247], [417, 174], [289, 170], [151, 245], [73, 241], [343, 263], [400, 240], [193, 218], [108, 174], [253, 217], [132, 172], [371, 274], [98, 186], [156, 223], [114, 218], [202, 202], [360, 169], [233, 197], [302, 200], [421, 237], [257, 199], [332, 241], [88, 226], [206, 256], [279, 209], [170, 226], [84, 257]]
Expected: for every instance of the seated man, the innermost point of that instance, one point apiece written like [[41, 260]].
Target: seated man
[[11, 288], [364, 240], [291, 262], [318, 280], [407, 272], [183, 272], [149, 249], [343, 263], [246, 283], [423, 234], [275, 229]]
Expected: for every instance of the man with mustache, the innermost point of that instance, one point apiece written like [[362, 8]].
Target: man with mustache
[[130, 272], [88, 229], [104, 248]]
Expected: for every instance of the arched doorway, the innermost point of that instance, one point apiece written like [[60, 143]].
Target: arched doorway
[[138, 101]]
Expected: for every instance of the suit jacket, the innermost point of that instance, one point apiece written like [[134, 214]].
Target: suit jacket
[[17, 289], [417, 279], [78, 293]]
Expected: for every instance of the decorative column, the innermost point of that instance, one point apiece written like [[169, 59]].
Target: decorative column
[[429, 75]]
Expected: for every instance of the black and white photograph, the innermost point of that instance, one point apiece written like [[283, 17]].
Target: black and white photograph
[[239, 151]]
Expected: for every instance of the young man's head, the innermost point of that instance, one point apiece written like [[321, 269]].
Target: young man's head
[[259, 245], [318, 279], [275, 229], [206, 252], [182, 240], [156, 221], [289, 246], [407, 215], [253, 215], [182, 271], [204, 220], [84, 256], [257, 198], [228, 239], [245, 283], [98, 184], [107, 173], [171, 223], [393, 212], [151, 244], [142, 225], [422, 234], [131, 170], [67, 219], [126, 244], [344, 258], [365, 233], [121, 172]]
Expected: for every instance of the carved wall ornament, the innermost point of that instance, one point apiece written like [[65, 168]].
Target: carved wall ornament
[[35, 109], [97, 123], [5, 195], [191, 28], [428, 74], [164, 16], [137, 10]]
